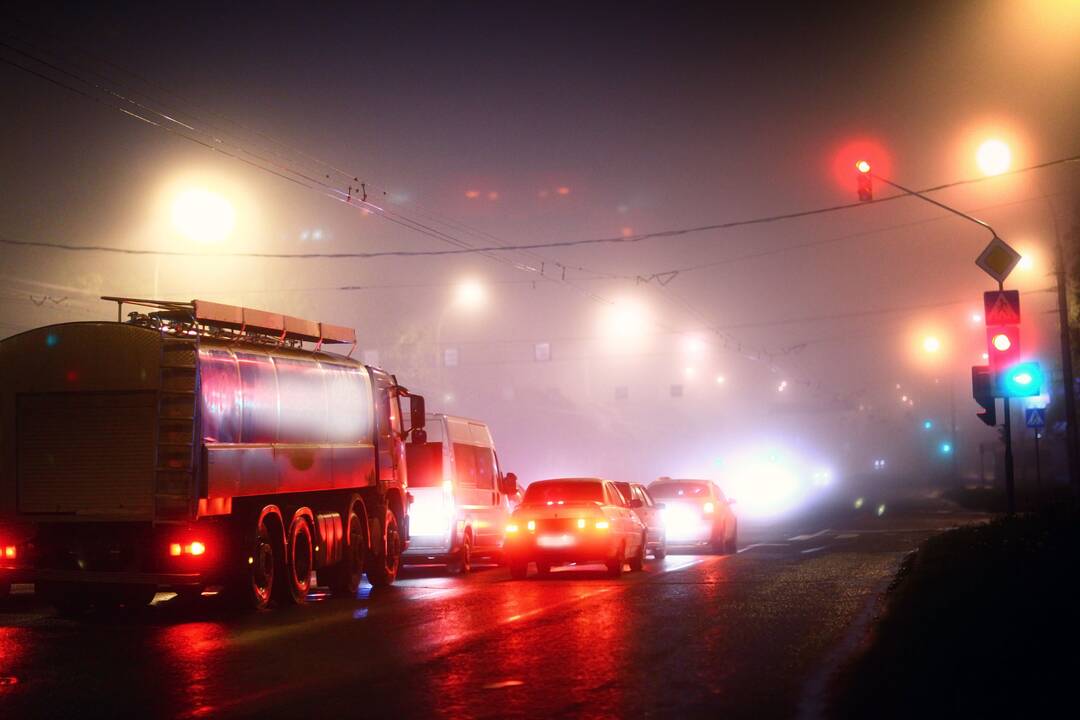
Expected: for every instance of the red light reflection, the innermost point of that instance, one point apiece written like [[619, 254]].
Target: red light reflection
[[190, 650]]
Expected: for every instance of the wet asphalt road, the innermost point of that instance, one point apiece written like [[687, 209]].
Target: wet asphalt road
[[754, 634]]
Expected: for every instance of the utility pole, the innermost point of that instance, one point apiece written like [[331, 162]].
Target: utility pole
[[1072, 445]]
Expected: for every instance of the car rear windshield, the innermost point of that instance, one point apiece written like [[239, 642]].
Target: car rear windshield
[[556, 491], [679, 489]]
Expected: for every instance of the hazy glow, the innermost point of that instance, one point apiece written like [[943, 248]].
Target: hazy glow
[[862, 166], [720, 380], [626, 320], [203, 216], [1002, 342], [765, 485], [993, 157], [931, 344], [470, 294]]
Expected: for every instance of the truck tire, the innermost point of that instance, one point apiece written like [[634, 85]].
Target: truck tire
[[300, 560], [385, 558], [253, 586], [345, 577]]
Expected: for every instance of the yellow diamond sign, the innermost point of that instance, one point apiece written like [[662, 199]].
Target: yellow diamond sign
[[998, 259]]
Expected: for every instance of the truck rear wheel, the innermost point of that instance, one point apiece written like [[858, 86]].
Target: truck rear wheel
[[345, 578], [254, 584], [299, 563], [385, 558]]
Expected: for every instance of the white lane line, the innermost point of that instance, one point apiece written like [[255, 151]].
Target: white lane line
[[847, 536], [800, 538], [812, 550], [757, 545]]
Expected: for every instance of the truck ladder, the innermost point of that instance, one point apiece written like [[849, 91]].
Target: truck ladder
[[174, 482]]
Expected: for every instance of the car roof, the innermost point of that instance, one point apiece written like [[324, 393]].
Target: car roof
[[570, 479]]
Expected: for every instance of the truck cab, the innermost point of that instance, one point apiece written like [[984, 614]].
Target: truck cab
[[461, 499]]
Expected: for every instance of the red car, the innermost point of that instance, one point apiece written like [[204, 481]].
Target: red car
[[577, 520], [696, 513]]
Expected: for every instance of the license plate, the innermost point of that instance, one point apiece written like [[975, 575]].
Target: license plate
[[555, 540]]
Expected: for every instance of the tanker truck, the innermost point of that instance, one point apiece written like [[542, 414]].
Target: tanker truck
[[198, 448]]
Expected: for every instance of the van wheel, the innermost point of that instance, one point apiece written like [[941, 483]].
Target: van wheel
[[615, 564], [345, 578], [463, 562], [300, 559], [385, 558]]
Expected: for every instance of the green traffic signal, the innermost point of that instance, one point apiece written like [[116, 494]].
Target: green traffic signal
[[1022, 380]]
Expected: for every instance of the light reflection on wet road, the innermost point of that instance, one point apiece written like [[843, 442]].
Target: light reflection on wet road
[[693, 635]]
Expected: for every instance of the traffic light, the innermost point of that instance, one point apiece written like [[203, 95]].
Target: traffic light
[[982, 389], [1003, 346], [866, 190], [1021, 380]]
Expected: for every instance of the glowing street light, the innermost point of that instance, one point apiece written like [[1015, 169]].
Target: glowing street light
[[931, 344], [993, 157], [720, 380], [470, 294], [203, 216], [626, 319]]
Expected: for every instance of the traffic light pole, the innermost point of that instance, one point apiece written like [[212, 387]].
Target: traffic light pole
[[1010, 485]]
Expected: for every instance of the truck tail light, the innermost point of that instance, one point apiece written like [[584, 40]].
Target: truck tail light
[[195, 548]]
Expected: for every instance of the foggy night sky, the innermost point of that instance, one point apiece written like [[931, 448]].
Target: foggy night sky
[[654, 116]]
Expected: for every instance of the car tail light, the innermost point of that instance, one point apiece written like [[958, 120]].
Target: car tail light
[[581, 523], [708, 508], [602, 525], [10, 552], [531, 525], [512, 528]]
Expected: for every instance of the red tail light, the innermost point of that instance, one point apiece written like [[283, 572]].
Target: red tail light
[[10, 552], [194, 548]]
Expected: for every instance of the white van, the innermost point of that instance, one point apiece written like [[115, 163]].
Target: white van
[[460, 498]]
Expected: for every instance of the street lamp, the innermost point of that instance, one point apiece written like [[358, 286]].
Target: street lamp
[[993, 157], [470, 294], [203, 216], [931, 344]]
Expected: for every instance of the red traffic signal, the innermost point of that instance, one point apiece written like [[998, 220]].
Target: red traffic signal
[[1002, 346], [866, 189]]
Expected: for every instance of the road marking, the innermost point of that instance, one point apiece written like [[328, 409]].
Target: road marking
[[847, 536], [503, 684], [757, 545], [800, 538], [812, 550]]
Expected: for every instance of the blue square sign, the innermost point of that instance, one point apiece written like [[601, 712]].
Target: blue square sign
[[1035, 417]]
